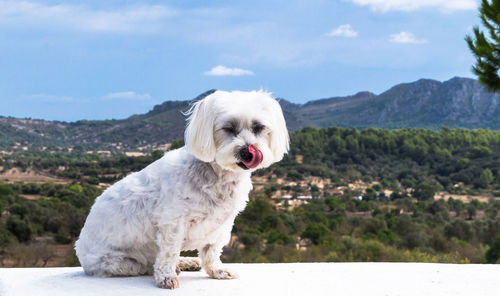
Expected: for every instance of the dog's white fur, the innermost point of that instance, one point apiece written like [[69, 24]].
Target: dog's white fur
[[189, 198]]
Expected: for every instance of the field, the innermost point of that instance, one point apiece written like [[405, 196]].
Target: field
[[340, 195]]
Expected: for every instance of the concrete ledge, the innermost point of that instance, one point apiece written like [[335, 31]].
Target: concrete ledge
[[302, 279]]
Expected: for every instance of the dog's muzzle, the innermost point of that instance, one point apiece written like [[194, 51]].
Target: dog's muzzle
[[250, 157]]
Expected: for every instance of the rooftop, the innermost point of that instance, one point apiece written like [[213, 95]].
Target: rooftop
[[271, 279]]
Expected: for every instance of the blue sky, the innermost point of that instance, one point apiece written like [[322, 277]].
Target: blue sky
[[70, 60]]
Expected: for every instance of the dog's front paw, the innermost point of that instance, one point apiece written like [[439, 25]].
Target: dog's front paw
[[166, 280], [222, 274]]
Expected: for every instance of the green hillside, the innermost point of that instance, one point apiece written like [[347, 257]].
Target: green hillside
[[341, 194]]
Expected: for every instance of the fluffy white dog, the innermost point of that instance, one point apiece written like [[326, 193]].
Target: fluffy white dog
[[190, 197]]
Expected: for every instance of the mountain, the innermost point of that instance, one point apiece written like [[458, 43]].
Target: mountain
[[458, 102], [138, 130]]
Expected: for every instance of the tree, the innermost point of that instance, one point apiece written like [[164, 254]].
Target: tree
[[6, 237], [456, 205], [486, 177], [485, 49], [424, 191], [458, 228], [471, 210], [20, 228], [493, 253], [315, 232]]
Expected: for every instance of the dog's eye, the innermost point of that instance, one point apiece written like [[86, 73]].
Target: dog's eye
[[230, 130], [257, 128]]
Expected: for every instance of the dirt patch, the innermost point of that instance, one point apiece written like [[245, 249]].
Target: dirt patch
[[61, 252], [30, 175], [103, 152], [32, 196], [34, 255], [464, 198], [135, 154]]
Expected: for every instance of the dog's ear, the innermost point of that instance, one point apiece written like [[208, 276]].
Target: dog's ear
[[278, 138], [199, 134]]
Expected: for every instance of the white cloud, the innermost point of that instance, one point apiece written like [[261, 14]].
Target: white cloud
[[406, 37], [225, 71], [127, 95], [409, 5], [136, 19], [343, 31]]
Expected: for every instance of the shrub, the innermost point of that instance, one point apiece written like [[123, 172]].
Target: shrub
[[493, 253], [20, 228], [458, 228], [315, 232]]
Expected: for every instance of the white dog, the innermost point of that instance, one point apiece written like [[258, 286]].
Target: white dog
[[190, 197]]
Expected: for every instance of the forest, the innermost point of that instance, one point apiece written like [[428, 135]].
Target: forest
[[396, 216]]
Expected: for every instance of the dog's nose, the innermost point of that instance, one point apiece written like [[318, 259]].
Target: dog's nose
[[244, 154]]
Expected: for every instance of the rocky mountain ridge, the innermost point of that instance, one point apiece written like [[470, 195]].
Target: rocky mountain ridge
[[426, 103]]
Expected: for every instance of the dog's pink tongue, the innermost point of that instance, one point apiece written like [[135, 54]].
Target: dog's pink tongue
[[256, 157]]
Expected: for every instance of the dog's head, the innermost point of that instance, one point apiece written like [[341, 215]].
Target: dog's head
[[237, 130]]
